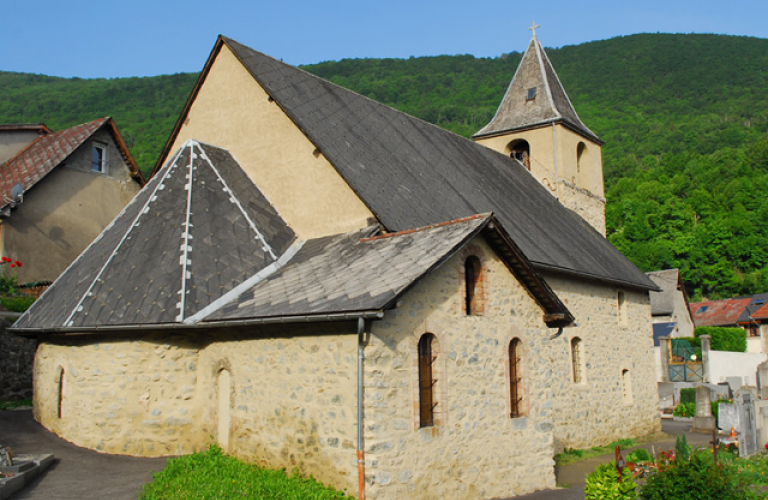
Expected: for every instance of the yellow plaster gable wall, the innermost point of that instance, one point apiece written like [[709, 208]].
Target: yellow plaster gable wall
[[233, 111]]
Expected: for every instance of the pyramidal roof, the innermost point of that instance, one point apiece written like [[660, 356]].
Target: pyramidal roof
[[197, 231], [535, 97]]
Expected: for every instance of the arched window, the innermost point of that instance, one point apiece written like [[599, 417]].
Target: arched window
[[517, 399], [473, 292], [626, 385], [577, 360], [581, 156], [427, 356], [520, 150]]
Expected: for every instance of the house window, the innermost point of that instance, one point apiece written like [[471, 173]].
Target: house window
[[427, 357], [473, 292], [531, 94], [621, 304], [98, 158], [520, 150], [577, 360], [517, 401], [626, 385]]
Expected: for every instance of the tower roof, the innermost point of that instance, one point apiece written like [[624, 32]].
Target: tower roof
[[535, 97]]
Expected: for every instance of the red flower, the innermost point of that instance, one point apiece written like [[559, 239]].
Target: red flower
[[18, 264], [13, 265], [6, 259]]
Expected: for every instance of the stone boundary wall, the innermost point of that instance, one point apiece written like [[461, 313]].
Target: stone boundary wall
[[17, 356]]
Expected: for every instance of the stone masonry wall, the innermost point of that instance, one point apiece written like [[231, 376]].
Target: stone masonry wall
[[589, 207], [16, 357], [597, 411], [475, 450], [292, 398]]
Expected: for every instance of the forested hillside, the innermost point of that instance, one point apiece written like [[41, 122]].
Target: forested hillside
[[685, 118]]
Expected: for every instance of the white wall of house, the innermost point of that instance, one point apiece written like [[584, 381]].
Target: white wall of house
[[734, 364]]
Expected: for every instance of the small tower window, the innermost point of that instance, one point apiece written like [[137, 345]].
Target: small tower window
[[531, 95], [581, 155], [520, 150], [626, 385]]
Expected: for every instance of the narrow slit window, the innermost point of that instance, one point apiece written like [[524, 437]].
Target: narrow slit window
[[427, 358], [60, 393], [626, 384], [516, 379], [577, 360], [98, 158], [531, 95], [472, 291]]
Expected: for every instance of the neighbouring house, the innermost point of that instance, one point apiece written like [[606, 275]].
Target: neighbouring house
[[670, 305], [315, 280], [749, 313], [58, 191]]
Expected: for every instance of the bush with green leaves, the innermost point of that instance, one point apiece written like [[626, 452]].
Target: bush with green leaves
[[698, 478], [688, 395], [724, 339], [639, 455], [685, 410], [603, 484]]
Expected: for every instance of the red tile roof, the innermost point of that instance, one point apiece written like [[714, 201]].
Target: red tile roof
[[48, 151], [761, 313], [719, 312]]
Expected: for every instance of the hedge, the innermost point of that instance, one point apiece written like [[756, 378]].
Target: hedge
[[723, 338]]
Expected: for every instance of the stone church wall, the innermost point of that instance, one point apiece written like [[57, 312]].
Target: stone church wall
[[292, 398], [474, 450], [590, 207], [16, 365], [602, 409]]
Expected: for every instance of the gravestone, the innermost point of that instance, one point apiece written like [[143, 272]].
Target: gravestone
[[728, 416], [703, 421], [6, 457], [746, 398], [762, 380]]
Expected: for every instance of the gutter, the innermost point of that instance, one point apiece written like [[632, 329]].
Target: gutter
[[360, 411], [311, 318]]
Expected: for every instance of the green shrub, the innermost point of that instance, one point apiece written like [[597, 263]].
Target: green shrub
[[685, 410], [17, 304], [697, 479], [688, 395], [639, 455], [724, 339], [213, 475], [603, 484]]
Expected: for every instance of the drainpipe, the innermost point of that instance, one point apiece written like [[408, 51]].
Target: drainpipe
[[360, 450], [554, 152]]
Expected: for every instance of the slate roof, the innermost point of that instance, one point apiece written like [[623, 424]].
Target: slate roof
[[412, 174], [663, 302], [201, 246], [198, 229], [356, 272], [718, 312], [550, 104], [48, 151], [662, 330], [750, 313]]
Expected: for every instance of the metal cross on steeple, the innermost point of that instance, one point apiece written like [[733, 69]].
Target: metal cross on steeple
[[533, 28]]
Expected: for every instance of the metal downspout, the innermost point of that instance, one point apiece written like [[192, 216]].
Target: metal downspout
[[554, 152], [360, 451]]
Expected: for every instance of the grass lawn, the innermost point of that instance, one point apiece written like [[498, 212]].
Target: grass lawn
[[212, 475]]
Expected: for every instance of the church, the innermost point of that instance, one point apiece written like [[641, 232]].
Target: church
[[314, 280]]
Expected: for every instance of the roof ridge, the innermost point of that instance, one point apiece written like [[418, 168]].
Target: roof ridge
[[426, 228]]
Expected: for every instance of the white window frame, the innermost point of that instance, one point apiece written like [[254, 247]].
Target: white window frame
[[103, 166]]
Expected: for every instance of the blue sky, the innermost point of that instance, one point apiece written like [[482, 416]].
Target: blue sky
[[119, 38]]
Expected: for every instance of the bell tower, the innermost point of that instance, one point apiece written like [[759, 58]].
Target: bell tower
[[537, 125]]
